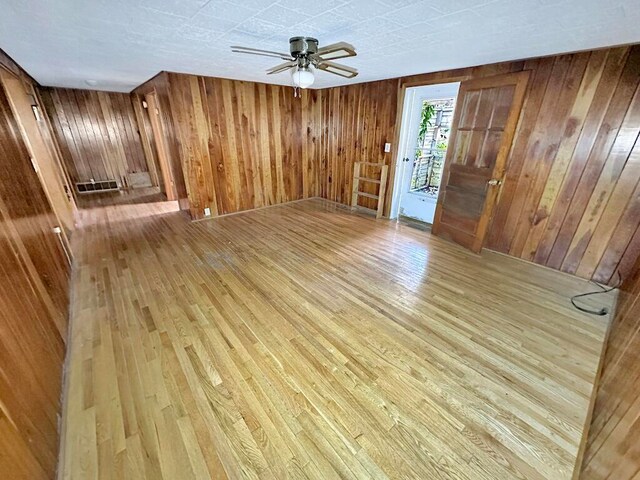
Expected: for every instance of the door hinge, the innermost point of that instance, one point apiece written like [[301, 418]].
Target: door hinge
[[36, 112]]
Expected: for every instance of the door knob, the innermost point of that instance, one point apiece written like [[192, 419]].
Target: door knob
[[494, 181]]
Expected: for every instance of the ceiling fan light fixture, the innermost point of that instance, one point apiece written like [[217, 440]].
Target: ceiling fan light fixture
[[305, 57], [302, 77]]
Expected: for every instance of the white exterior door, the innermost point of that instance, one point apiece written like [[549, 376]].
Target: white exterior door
[[414, 204], [417, 205]]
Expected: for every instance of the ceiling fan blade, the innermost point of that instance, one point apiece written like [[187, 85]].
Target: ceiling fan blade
[[257, 51], [282, 67], [336, 50], [338, 69], [262, 54]]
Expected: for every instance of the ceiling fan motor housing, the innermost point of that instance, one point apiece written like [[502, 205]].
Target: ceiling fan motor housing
[[303, 46]]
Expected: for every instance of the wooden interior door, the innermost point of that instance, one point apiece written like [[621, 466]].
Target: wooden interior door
[[34, 308], [155, 117], [40, 145], [485, 120]]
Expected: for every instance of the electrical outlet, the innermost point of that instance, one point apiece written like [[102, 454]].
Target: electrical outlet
[[207, 212], [387, 147]]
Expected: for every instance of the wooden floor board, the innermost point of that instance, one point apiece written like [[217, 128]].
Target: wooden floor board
[[308, 341]]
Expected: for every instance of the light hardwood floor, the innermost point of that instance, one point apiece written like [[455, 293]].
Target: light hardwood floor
[[304, 340]]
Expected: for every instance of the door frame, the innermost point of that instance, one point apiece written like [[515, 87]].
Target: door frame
[[521, 82], [405, 135], [402, 91], [146, 139], [43, 151], [159, 137]]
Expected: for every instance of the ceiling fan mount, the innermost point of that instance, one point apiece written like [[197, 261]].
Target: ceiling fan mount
[[303, 46], [304, 56]]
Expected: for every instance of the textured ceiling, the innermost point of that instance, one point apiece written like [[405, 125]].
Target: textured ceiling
[[121, 43]]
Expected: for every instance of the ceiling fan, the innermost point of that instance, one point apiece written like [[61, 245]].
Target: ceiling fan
[[305, 56]]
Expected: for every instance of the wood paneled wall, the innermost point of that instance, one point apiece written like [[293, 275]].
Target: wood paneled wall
[[359, 119], [34, 275], [244, 145], [98, 134], [356, 121], [383, 112], [39, 143], [612, 445], [37, 133], [571, 198]]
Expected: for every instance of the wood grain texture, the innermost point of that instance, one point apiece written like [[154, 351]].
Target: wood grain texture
[[38, 137], [570, 191], [356, 121], [570, 198], [159, 86], [97, 133], [148, 141], [34, 275], [612, 448], [162, 151], [307, 341], [359, 190], [244, 145], [487, 113], [359, 119]]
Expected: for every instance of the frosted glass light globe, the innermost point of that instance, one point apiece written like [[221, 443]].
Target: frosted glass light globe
[[302, 77]]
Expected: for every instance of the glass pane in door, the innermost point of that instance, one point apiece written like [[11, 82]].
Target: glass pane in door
[[431, 150]]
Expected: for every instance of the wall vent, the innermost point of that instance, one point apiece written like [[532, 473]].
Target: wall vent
[[95, 187]]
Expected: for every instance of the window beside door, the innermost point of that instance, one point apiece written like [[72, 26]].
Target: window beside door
[[431, 148]]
